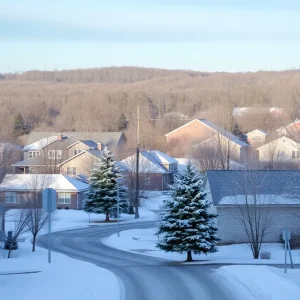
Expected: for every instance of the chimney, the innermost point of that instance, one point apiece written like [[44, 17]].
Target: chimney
[[59, 136], [100, 146]]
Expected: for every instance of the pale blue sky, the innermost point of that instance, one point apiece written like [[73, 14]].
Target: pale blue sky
[[212, 35]]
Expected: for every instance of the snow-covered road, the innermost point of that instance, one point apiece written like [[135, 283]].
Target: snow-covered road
[[144, 277]]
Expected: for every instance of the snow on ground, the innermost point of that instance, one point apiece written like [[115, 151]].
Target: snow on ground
[[265, 282], [153, 200], [61, 280], [71, 219], [144, 240]]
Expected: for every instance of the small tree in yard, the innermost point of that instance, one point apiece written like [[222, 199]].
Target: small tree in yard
[[102, 196], [187, 225]]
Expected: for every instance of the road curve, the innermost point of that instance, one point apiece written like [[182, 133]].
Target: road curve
[[143, 277]]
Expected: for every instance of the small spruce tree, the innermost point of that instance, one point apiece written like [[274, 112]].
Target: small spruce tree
[[20, 127], [187, 226], [122, 123], [102, 196]]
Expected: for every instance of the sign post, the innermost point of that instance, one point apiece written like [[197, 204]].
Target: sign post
[[286, 236], [49, 206]]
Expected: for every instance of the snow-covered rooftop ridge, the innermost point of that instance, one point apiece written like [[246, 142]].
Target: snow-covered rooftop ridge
[[260, 130], [239, 111], [224, 132], [260, 199], [163, 157], [148, 163], [23, 182], [40, 144]]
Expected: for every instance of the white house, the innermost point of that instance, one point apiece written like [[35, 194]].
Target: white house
[[256, 137]]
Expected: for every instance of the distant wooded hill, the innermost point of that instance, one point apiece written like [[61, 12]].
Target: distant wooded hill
[[98, 99]]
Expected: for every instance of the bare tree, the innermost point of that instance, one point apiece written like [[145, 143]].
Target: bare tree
[[253, 208], [37, 218], [137, 182], [20, 220]]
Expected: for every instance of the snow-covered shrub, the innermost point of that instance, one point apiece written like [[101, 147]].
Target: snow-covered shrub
[[265, 255]]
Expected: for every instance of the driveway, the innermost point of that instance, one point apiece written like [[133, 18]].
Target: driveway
[[142, 277]]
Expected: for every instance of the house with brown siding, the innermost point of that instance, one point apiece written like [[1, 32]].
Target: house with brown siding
[[16, 188], [197, 131], [156, 169]]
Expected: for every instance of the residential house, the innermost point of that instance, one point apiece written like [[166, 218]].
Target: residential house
[[273, 195], [292, 130], [280, 149], [45, 151], [255, 111], [80, 164], [15, 189], [156, 169], [256, 137], [197, 131]]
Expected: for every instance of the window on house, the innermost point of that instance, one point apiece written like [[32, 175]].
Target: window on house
[[33, 154], [71, 171], [295, 154], [58, 154], [51, 154], [64, 198], [55, 154], [256, 138], [147, 180], [10, 197], [77, 151]]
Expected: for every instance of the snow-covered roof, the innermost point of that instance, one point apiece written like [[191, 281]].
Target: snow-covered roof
[[240, 111], [40, 144], [27, 182], [260, 199], [288, 141], [148, 163], [9, 146], [231, 183], [259, 130], [163, 157], [89, 143]]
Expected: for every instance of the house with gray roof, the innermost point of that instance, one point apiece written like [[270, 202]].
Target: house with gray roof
[[272, 194], [45, 151], [156, 169]]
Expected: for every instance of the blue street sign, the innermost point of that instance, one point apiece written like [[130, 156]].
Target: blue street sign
[[49, 200]]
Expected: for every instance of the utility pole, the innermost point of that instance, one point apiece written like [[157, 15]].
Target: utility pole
[[136, 208]]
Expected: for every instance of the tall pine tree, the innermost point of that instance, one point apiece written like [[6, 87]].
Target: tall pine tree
[[187, 225], [102, 196]]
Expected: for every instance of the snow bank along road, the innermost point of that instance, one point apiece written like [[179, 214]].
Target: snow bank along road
[[142, 277]]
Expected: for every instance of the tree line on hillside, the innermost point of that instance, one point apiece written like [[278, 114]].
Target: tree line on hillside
[[106, 100]]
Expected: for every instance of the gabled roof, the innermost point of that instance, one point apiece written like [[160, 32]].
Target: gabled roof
[[259, 130], [27, 182], [224, 184], [149, 162], [217, 130], [95, 153], [295, 123], [282, 138], [89, 143], [39, 139], [163, 157], [40, 144]]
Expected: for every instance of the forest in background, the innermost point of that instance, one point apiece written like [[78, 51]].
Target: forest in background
[[106, 99]]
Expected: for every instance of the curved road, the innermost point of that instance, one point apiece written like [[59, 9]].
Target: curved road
[[142, 277]]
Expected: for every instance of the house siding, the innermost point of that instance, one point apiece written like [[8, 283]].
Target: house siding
[[78, 146], [231, 231], [83, 164]]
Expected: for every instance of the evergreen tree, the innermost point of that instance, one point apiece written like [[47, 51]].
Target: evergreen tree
[[102, 195], [122, 123], [10, 243], [20, 127], [187, 225]]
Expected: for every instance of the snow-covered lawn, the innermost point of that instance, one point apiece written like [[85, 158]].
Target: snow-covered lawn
[[144, 241], [63, 279], [264, 282]]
